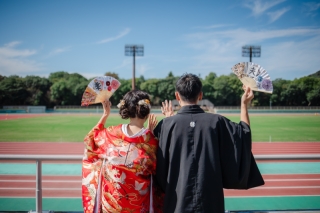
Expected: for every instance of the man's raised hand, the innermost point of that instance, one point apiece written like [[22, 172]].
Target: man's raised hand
[[166, 108]]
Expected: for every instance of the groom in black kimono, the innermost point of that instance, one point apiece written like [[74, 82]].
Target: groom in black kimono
[[201, 153]]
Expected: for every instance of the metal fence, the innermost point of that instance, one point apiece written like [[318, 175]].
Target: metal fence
[[39, 158], [202, 102], [272, 107]]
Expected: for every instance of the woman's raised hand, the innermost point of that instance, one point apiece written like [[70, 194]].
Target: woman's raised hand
[[106, 107], [152, 122], [166, 108]]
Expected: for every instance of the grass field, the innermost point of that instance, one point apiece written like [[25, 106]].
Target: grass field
[[73, 128]]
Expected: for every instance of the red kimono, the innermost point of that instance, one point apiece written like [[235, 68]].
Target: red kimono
[[117, 171]]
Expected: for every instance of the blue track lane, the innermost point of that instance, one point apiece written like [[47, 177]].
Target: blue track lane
[[241, 203]]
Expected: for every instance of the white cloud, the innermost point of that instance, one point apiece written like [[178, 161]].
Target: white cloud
[[142, 69], [59, 50], [15, 61], [258, 7], [212, 26], [277, 14], [311, 8], [12, 44], [121, 34], [218, 51], [125, 63], [224, 40], [8, 50], [293, 58]]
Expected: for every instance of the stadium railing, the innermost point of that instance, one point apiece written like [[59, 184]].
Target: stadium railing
[[39, 158]]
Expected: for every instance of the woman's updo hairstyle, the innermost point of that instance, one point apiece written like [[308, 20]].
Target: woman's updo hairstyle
[[135, 103]]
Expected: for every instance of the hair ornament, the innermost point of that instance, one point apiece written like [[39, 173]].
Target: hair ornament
[[144, 102], [121, 103]]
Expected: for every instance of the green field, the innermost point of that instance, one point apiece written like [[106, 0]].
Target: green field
[[73, 128]]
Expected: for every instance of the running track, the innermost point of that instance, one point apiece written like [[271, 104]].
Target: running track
[[70, 186], [295, 187]]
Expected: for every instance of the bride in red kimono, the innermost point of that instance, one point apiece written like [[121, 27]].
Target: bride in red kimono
[[119, 161]]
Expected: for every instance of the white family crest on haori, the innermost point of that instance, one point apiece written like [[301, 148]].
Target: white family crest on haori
[[99, 89], [254, 76]]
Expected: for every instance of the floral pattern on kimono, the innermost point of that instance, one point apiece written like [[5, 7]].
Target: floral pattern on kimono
[[117, 170]]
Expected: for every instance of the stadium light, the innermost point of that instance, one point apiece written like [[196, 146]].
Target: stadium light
[[251, 51], [134, 50]]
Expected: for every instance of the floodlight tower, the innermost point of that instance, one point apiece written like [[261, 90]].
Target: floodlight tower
[[251, 51], [134, 50]]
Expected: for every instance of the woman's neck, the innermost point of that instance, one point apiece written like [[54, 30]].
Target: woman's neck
[[135, 125]]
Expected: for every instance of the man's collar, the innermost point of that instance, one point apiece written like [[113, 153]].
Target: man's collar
[[190, 109]]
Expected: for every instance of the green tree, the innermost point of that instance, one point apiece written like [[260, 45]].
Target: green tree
[[316, 74], [13, 91], [313, 97], [56, 76], [279, 86], [38, 89], [112, 74], [67, 89], [170, 75], [142, 79], [151, 87], [312, 91], [293, 96], [60, 92], [228, 90], [207, 86], [166, 89], [121, 91]]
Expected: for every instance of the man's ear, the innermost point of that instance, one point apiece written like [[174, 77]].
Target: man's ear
[[177, 96], [200, 96]]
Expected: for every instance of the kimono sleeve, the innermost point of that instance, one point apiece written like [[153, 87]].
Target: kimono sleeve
[[239, 169], [91, 168], [90, 148]]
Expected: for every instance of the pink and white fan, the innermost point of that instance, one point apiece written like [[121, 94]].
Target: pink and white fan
[[254, 76], [99, 90]]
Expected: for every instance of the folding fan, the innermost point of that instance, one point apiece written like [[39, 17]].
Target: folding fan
[[99, 90], [254, 76]]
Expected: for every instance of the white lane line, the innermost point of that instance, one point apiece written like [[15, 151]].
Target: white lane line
[[71, 197], [79, 181], [292, 179], [257, 188], [2, 188], [44, 181], [253, 196], [284, 187]]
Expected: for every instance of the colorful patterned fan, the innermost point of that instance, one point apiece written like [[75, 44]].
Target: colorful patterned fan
[[254, 76], [99, 90]]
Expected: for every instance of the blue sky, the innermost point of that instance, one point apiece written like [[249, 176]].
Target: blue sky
[[88, 37]]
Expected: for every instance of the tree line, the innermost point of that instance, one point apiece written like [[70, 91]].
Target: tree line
[[63, 88]]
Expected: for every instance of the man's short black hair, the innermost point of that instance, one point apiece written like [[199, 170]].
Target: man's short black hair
[[189, 87]]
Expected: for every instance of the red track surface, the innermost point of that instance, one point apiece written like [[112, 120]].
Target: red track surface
[[18, 116], [76, 148], [70, 186], [52, 186], [282, 185]]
